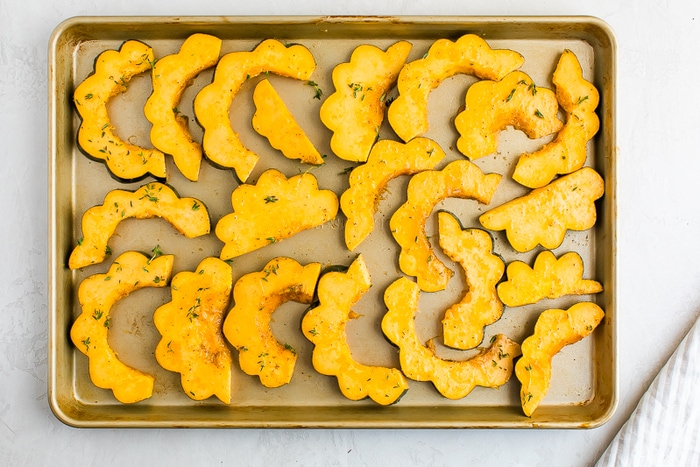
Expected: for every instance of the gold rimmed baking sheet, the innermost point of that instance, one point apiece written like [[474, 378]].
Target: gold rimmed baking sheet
[[583, 391]]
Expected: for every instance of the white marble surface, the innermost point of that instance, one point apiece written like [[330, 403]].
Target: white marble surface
[[659, 221]]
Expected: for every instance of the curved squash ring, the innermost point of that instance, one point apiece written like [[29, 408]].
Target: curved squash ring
[[190, 325], [387, 160], [355, 111], [579, 99], [549, 277], [463, 323], [97, 294], [221, 144], [454, 380], [247, 327], [459, 179], [543, 216], [325, 325], [491, 106], [171, 75], [188, 215], [274, 121], [96, 137], [554, 330], [273, 209], [470, 54]]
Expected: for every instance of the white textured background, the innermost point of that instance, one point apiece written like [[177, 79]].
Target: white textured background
[[659, 245]]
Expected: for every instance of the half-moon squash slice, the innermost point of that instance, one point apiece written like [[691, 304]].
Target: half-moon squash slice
[[170, 76], [492, 367], [97, 295], [247, 327], [192, 343], [188, 215], [96, 135], [324, 325]]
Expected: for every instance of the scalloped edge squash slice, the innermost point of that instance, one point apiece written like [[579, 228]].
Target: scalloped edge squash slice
[[492, 367], [554, 330], [170, 76], [247, 327], [355, 111], [459, 179], [491, 106], [544, 215], [96, 135], [221, 143], [579, 99], [273, 209], [324, 325], [549, 277], [188, 215], [274, 121], [463, 324], [387, 160], [192, 342], [97, 295], [470, 54]]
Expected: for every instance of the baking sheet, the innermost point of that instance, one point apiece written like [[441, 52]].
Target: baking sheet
[[583, 391]]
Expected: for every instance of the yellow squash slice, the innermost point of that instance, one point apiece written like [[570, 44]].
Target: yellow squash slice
[[492, 367], [491, 106], [470, 54], [96, 135], [273, 209], [221, 143], [247, 327], [459, 179], [387, 160], [544, 215], [554, 329], [97, 295], [463, 323], [188, 215], [325, 325], [274, 121], [579, 99], [355, 111], [192, 343], [170, 76], [549, 277]]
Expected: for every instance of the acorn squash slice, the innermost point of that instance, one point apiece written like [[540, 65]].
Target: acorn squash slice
[[355, 111], [274, 121], [97, 295], [192, 343], [491, 106], [387, 160], [96, 135], [247, 327], [544, 215], [273, 209], [579, 99], [554, 330], [470, 54], [221, 143], [188, 215], [170, 76], [459, 179], [324, 325], [463, 324], [549, 277], [492, 367]]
